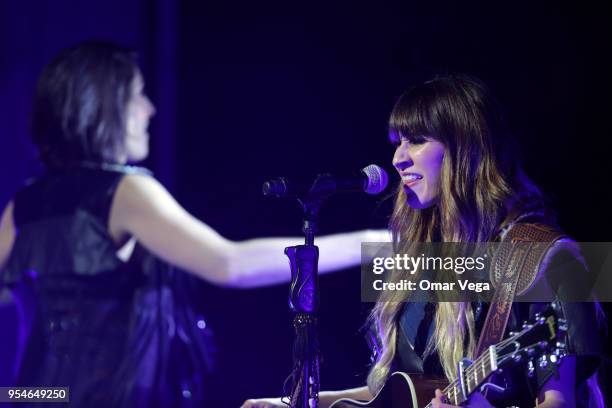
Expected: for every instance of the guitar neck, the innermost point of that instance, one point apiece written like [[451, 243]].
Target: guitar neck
[[473, 377]]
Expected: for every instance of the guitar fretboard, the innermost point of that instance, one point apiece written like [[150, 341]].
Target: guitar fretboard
[[474, 376]]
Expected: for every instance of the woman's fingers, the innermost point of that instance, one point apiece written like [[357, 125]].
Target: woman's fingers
[[439, 400]]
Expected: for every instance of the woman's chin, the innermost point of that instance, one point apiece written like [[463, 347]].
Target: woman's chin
[[414, 202], [419, 200], [137, 157]]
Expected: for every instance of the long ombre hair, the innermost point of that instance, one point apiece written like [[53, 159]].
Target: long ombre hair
[[481, 186]]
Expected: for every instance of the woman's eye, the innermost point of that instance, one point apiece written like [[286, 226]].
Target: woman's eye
[[395, 141], [415, 140]]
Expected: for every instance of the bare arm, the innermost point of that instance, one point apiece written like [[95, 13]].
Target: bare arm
[[144, 209], [326, 398], [7, 234]]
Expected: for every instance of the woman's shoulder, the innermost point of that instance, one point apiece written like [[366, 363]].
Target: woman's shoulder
[[141, 199], [138, 189]]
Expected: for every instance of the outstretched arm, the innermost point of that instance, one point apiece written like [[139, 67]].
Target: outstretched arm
[[144, 209]]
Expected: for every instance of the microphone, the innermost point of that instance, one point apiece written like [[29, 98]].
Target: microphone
[[371, 179]]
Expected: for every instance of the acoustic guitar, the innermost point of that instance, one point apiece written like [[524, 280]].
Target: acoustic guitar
[[540, 341]]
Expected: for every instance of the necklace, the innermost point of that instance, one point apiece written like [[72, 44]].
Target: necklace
[[114, 167]]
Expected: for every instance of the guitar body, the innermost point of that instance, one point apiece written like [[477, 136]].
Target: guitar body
[[400, 391]]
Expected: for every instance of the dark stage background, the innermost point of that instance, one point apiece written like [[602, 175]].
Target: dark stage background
[[250, 90]]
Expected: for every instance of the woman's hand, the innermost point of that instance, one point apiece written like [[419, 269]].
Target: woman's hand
[[263, 403], [477, 400]]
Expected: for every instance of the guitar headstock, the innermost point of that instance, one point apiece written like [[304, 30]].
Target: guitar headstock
[[541, 341]]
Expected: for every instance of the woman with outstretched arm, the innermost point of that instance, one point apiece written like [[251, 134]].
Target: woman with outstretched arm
[[89, 243]]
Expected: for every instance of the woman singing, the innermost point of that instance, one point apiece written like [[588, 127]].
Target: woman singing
[[461, 182], [108, 319]]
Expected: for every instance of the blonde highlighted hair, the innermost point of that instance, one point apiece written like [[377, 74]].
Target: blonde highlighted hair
[[481, 186]]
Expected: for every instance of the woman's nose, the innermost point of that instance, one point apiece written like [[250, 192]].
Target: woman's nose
[[401, 158], [152, 109]]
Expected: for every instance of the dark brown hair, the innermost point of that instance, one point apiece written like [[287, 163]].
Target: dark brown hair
[[80, 103]]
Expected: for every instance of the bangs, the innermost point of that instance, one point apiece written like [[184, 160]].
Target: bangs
[[411, 117]]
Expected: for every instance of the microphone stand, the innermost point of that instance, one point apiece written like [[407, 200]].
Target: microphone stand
[[304, 302], [304, 260]]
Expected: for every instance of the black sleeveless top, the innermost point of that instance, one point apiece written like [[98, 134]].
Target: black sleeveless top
[[117, 333]]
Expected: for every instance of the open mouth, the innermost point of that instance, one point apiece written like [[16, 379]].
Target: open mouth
[[411, 179]]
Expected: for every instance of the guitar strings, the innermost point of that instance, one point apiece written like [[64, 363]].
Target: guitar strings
[[451, 391], [481, 360], [480, 364]]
